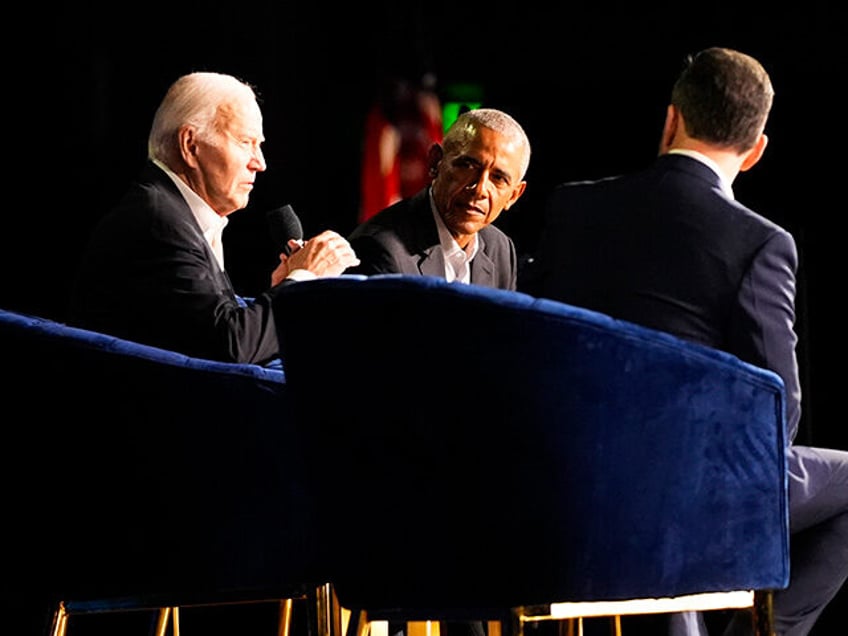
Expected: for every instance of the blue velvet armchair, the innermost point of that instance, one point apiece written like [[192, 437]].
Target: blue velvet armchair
[[432, 451], [483, 454], [142, 478]]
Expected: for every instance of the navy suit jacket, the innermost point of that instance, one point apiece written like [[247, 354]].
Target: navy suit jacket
[[149, 275], [403, 239], [667, 248]]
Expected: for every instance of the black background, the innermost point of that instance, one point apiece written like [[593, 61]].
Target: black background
[[588, 80]]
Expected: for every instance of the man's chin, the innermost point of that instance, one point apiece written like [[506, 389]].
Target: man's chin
[[240, 203], [472, 227]]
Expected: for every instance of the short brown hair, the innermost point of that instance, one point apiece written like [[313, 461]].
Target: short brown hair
[[724, 97]]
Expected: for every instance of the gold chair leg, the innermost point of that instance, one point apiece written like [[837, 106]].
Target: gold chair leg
[[615, 625], [763, 613], [363, 625], [284, 624], [571, 627], [60, 620], [423, 628], [162, 621], [516, 621], [328, 612], [568, 626], [494, 628]]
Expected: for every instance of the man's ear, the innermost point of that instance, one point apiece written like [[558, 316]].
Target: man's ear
[[755, 153], [516, 194], [188, 145], [672, 121], [434, 156]]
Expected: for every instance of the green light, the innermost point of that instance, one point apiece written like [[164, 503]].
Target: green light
[[457, 98], [451, 110]]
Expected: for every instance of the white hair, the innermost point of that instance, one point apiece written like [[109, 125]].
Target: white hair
[[493, 119], [195, 99]]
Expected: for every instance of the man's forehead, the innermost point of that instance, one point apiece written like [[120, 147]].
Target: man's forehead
[[491, 140], [244, 118]]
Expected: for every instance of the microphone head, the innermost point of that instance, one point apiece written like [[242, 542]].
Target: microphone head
[[283, 225]]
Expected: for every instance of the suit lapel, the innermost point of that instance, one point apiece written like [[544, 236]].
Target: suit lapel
[[426, 237], [432, 262], [163, 182], [482, 267]]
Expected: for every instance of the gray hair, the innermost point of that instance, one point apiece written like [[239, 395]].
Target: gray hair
[[195, 99], [493, 119]]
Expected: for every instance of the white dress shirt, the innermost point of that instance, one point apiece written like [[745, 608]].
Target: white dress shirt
[[457, 260]]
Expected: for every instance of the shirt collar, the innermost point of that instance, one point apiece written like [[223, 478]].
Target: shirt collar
[[446, 240], [712, 165], [211, 223]]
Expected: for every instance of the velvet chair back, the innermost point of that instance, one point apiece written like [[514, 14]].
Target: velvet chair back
[[473, 448]]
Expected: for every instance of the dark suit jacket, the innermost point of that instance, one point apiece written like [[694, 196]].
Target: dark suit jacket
[[149, 275], [403, 239], [666, 248]]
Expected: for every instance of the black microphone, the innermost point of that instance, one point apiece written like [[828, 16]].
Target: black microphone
[[284, 224]]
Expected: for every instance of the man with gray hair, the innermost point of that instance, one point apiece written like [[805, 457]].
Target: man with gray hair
[[153, 270], [445, 229]]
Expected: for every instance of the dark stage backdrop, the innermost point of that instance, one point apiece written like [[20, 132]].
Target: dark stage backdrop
[[588, 80]]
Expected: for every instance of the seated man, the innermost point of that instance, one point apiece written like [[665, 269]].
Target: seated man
[[445, 229], [671, 248], [153, 270]]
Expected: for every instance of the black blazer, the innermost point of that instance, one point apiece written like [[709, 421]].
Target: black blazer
[[149, 275], [667, 248], [403, 239]]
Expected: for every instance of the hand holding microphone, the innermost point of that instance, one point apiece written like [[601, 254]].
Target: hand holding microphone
[[327, 254], [286, 229]]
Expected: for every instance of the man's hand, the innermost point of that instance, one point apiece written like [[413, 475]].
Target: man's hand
[[327, 254]]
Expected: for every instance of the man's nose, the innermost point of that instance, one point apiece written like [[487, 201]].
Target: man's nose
[[257, 161], [475, 184]]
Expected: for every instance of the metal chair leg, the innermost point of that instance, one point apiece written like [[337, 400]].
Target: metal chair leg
[[615, 625], [763, 613], [285, 617], [60, 620], [423, 628], [164, 616], [323, 603], [570, 627]]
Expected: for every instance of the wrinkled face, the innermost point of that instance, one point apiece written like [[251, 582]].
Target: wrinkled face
[[227, 159], [475, 180]]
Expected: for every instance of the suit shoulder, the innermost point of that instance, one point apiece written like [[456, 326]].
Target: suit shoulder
[[586, 187], [147, 210], [494, 234], [581, 183], [753, 222], [400, 222]]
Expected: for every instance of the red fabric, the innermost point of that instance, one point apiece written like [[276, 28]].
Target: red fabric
[[399, 131]]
